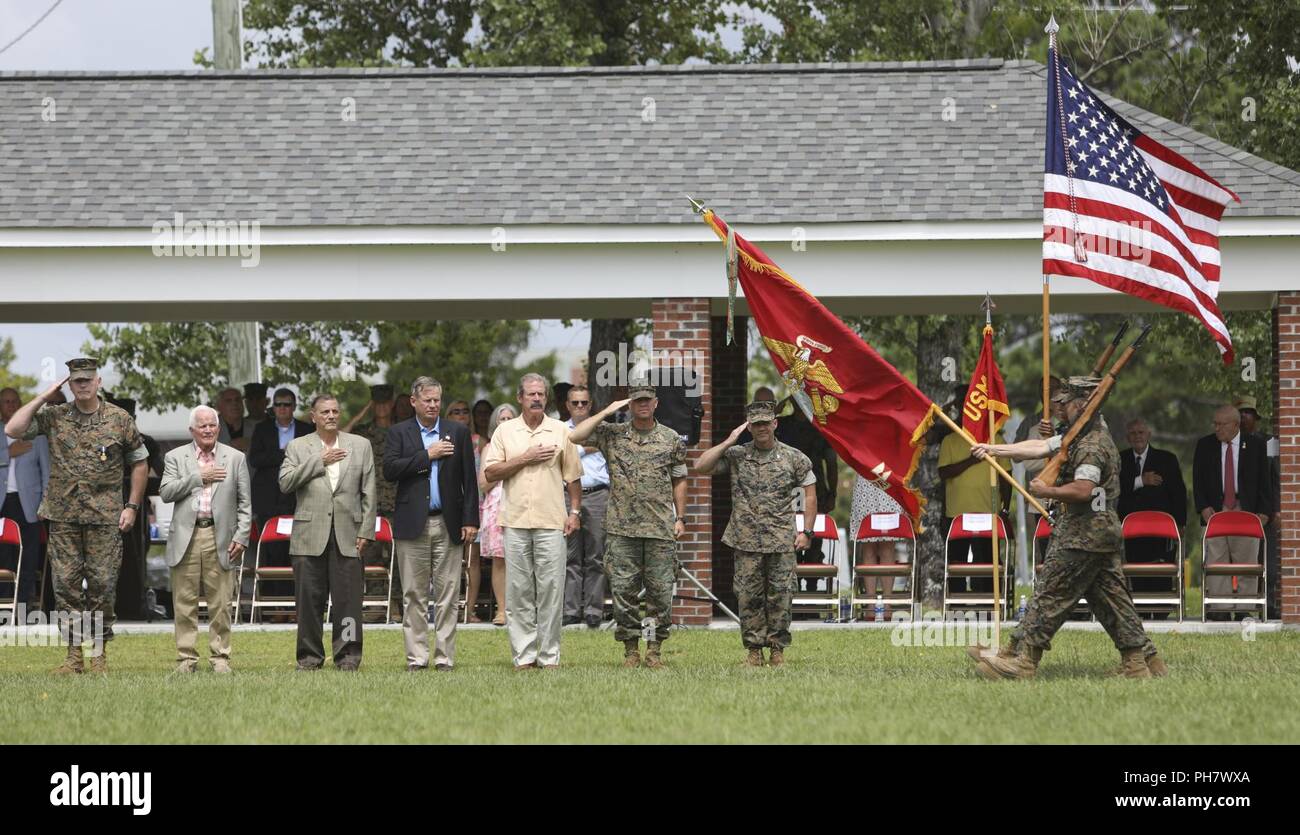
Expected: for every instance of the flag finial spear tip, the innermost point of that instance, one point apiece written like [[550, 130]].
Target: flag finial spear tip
[[696, 205], [1052, 26]]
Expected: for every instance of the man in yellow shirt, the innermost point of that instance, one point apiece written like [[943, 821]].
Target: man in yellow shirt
[[966, 489]]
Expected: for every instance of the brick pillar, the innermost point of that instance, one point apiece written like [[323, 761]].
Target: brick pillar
[[730, 391], [681, 326], [1287, 380]]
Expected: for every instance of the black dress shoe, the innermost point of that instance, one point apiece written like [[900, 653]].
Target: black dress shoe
[[593, 621], [570, 620]]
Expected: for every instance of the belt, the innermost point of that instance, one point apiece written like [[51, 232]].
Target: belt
[[595, 489], [203, 523], [437, 512]]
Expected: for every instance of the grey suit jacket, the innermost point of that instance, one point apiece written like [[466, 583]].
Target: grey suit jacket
[[33, 473], [232, 500], [349, 509]]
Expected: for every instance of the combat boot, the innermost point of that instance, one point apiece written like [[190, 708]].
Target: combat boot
[[652, 659], [1134, 664], [1155, 664], [976, 651], [777, 656], [755, 657], [99, 663], [1024, 664], [71, 665], [631, 655]]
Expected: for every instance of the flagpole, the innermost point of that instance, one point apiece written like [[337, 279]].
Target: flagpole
[[993, 488], [1051, 29]]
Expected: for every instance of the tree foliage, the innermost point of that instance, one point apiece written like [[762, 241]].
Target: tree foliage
[[25, 385]]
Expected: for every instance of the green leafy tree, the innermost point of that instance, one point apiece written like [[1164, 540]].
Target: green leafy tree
[[25, 385]]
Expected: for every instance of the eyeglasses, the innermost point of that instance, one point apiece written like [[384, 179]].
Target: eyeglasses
[[579, 402], [289, 405]]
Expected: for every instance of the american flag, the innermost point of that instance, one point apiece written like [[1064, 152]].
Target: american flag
[[1126, 212]]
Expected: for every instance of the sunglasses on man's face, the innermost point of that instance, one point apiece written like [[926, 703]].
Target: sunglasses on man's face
[[579, 402]]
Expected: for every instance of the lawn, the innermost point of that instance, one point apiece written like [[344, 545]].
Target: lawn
[[837, 686]]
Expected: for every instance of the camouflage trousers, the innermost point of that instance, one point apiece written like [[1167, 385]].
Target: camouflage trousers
[[1068, 575], [764, 587], [92, 553], [635, 563]]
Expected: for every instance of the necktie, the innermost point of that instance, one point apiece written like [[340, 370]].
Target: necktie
[[1229, 480]]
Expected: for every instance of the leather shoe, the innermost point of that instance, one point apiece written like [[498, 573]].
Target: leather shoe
[[593, 621], [442, 668], [415, 668], [570, 620]]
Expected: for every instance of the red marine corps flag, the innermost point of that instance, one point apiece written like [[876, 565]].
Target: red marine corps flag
[[873, 416], [987, 393]]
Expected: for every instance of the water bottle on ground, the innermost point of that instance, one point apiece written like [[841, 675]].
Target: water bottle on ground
[[880, 608], [1020, 611]]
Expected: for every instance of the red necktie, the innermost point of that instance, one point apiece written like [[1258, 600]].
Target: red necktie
[[1229, 481]]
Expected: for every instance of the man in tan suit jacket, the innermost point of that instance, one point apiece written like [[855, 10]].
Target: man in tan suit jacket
[[332, 475], [207, 484]]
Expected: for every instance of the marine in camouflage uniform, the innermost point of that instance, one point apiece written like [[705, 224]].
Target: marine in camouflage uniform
[[83, 503], [377, 553], [640, 523], [766, 475], [1083, 559]]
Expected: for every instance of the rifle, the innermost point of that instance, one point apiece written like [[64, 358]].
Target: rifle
[[1110, 350], [1052, 471]]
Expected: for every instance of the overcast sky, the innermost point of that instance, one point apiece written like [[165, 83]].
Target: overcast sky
[[136, 35]]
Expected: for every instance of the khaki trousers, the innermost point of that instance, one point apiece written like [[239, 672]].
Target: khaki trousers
[[200, 572], [535, 562], [1232, 549], [429, 555]]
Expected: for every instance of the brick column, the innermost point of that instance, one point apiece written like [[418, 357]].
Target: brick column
[[681, 326], [1287, 380], [730, 392]]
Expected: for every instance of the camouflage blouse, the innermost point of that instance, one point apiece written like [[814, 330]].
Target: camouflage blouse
[[763, 488], [642, 466], [1092, 525], [88, 456]]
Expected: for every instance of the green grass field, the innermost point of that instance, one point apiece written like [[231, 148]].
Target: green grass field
[[838, 686]]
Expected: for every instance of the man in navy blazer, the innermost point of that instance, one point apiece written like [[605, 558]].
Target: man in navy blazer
[[24, 474], [435, 512], [1230, 471]]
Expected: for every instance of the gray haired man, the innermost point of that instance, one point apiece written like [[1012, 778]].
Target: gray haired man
[[207, 483]]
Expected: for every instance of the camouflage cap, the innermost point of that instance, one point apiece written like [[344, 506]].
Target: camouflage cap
[[1075, 388], [1245, 403], [382, 393], [760, 411], [640, 391], [83, 368]]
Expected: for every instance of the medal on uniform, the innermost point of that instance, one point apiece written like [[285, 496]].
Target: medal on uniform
[[103, 453]]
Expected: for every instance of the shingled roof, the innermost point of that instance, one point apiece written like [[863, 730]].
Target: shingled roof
[[771, 143]]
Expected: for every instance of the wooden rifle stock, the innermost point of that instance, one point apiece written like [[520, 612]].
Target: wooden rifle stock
[[1052, 471]]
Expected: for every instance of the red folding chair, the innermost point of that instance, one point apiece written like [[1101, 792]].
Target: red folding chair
[[276, 529], [11, 535], [825, 529], [384, 536], [969, 527], [1155, 524], [1234, 523], [898, 527]]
